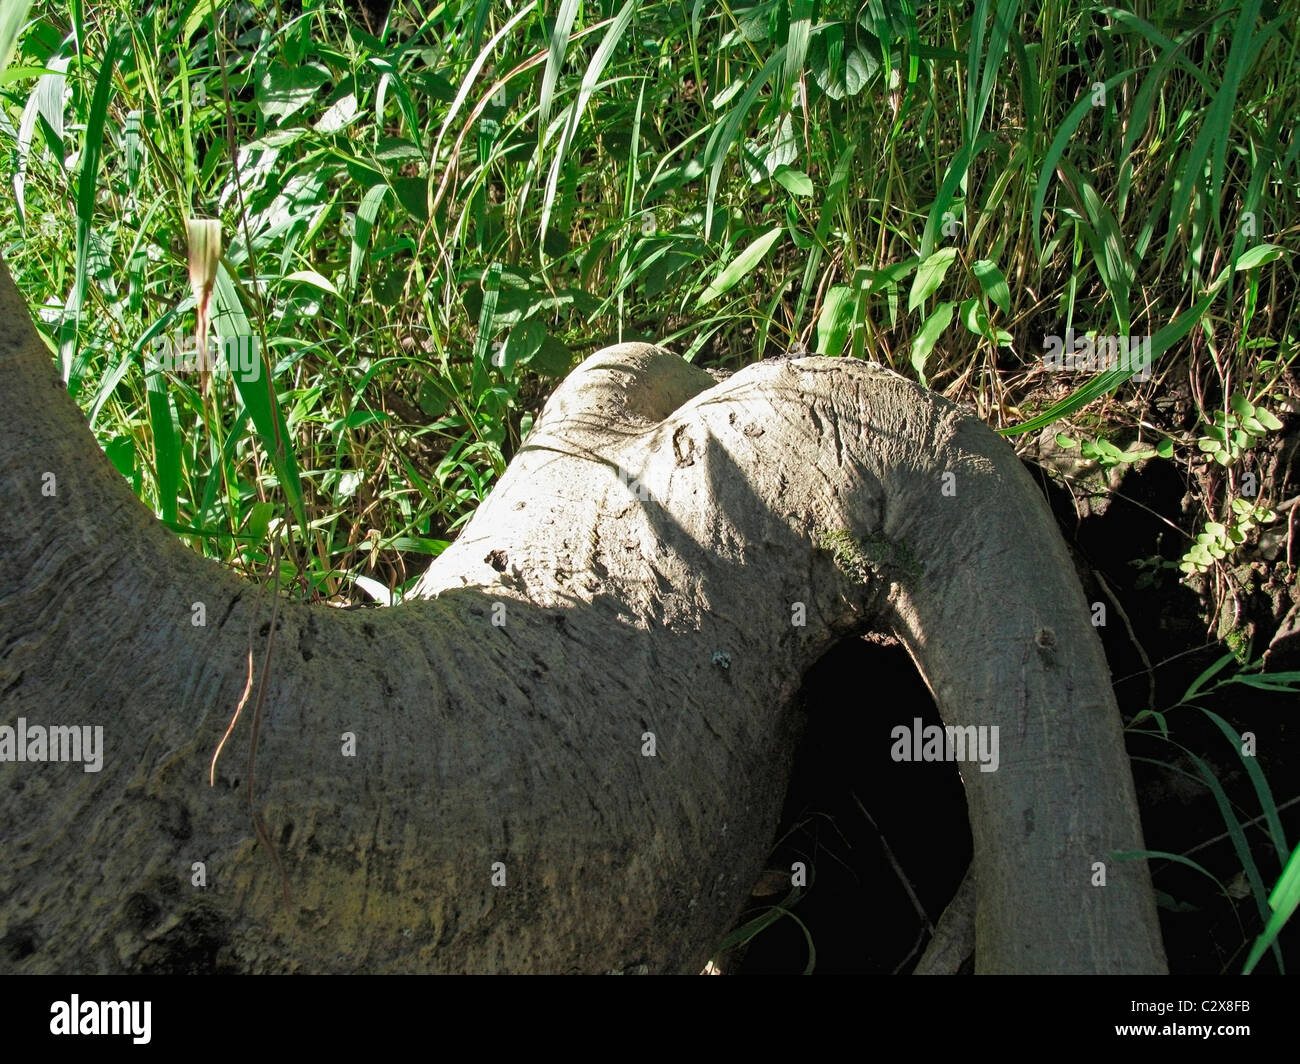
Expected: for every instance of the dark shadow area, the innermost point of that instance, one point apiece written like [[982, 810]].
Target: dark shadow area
[[850, 807]]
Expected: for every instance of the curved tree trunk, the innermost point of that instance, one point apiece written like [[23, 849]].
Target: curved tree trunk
[[638, 576]]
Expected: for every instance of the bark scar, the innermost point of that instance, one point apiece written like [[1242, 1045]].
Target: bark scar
[[683, 447]]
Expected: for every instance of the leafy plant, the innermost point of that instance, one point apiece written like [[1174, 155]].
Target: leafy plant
[[1234, 431], [1108, 456], [1220, 540]]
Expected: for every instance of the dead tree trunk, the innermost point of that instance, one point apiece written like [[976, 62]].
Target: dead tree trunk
[[463, 783]]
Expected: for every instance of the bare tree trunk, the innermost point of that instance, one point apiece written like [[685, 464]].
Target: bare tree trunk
[[654, 572]]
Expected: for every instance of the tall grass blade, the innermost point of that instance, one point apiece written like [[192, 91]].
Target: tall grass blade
[[1283, 901], [87, 191]]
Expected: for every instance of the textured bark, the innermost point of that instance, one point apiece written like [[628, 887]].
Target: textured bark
[[643, 558]]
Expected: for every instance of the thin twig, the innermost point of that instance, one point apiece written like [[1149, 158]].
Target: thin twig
[[1151, 672]]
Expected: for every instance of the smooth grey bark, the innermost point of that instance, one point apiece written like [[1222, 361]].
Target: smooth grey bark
[[644, 558]]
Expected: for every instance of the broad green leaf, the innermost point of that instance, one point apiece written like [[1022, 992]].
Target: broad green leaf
[[339, 115], [797, 40], [552, 359], [927, 335], [1102, 234], [314, 279], [993, 283], [929, 276], [45, 102], [166, 441], [121, 452], [796, 182], [364, 225], [1257, 256], [740, 266], [1270, 682], [835, 320], [973, 316], [12, 17], [285, 90], [436, 395], [259, 518], [1283, 900], [839, 63], [524, 341]]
